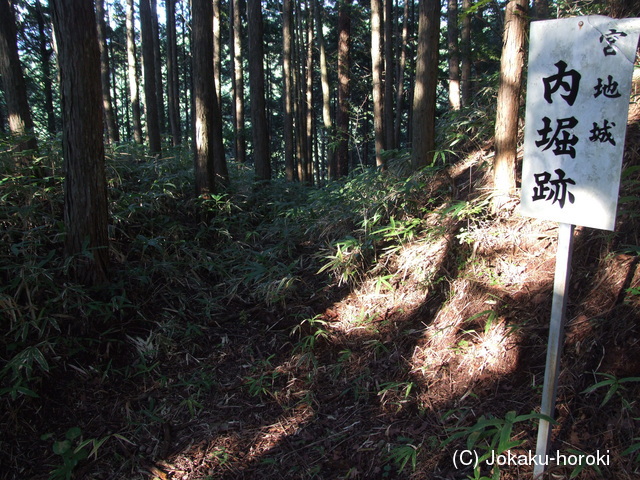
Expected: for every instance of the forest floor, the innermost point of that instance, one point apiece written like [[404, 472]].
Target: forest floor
[[285, 336]]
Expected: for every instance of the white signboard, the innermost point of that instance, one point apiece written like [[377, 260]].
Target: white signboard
[[578, 89]]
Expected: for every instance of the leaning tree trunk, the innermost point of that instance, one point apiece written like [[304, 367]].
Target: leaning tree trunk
[[506, 129], [85, 188]]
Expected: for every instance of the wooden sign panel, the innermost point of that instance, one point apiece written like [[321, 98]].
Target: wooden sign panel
[[578, 88]]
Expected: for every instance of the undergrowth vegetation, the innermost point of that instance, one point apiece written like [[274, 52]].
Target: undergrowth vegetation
[[362, 329]]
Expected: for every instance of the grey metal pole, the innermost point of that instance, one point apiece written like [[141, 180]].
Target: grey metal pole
[[554, 346]]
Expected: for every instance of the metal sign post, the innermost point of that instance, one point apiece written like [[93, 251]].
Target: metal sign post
[[578, 88], [554, 345]]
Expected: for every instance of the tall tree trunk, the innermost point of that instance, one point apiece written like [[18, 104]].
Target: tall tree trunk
[[403, 64], [324, 79], [424, 94], [150, 86], [344, 75], [185, 20], [506, 130], [376, 74], [466, 54], [157, 65], [105, 75], [45, 62], [173, 84], [235, 44], [15, 92], [299, 85], [217, 48], [388, 74], [114, 84], [287, 47], [454, 58], [206, 110], [309, 131], [85, 188], [132, 69], [261, 155]]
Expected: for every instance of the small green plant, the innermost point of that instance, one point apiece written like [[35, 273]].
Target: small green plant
[[72, 450], [192, 404], [491, 318], [264, 381], [398, 393], [615, 387], [633, 449], [492, 436], [406, 452], [582, 463], [317, 331], [347, 262], [463, 210], [21, 367], [221, 455]]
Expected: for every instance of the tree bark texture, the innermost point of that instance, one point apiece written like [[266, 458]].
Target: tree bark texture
[[45, 60], [324, 81], [506, 130], [454, 57], [261, 155], [424, 94], [157, 64], [401, 70], [376, 73], [344, 76], [18, 113], [388, 74], [217, 48], [309, 130], [237, 81], [465, 63], [287, 48], [132, 73], [105, 71], [150, 86], [173, 84], [209, 161], [85, 192]]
